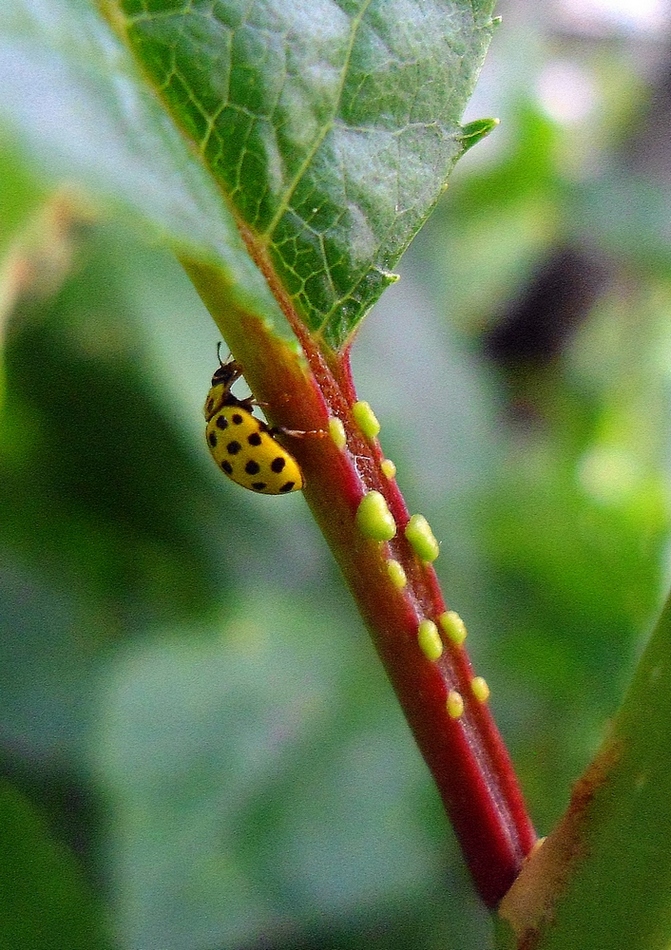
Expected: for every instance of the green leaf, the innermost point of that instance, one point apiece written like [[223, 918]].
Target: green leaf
[[331, 128], [327, 132], [625, 882], [617, 830], [44, 900]]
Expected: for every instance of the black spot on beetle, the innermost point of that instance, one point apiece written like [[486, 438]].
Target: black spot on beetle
[[233, 448], [236, 419], [287, 487], [252, 468], [278, 464], [222, 422], [212, 439], [254, 438], [227, 467], [259, 486]]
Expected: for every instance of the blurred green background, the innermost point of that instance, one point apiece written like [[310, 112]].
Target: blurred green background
[[199, 749]]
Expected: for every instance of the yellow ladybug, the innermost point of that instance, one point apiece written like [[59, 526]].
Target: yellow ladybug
[[244, 447]]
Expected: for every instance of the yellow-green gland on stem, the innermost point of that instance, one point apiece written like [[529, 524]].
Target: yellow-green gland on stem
[[337, 432], [374, 519], [453, 627], [365, 418], [421, 538], [388, 468], [455, 704], [396, 574], [429, 640], [480, 689]]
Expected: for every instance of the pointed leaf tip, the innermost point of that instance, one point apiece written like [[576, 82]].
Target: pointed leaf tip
[[474, 132]]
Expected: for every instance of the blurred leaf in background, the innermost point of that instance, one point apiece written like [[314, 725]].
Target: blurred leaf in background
[[46, 901], [185, 692]]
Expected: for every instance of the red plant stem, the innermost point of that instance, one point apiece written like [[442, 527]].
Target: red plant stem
[[466, 755]]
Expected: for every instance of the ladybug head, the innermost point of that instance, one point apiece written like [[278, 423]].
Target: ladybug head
[[227, 372]]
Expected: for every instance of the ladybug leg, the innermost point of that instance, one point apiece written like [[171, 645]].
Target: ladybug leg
[[275, 430], [298, 433], [259, 402]]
